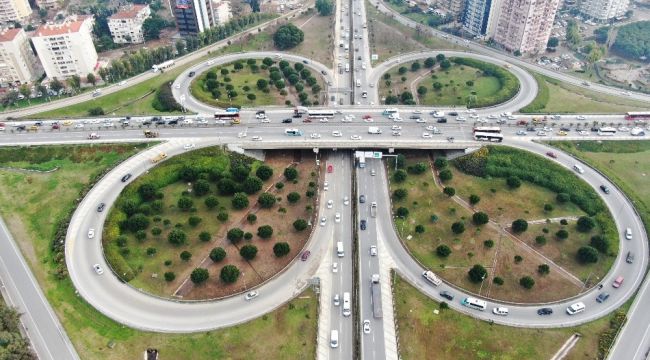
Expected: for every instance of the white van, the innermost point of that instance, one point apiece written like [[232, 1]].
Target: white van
[[579, 169], [346, 304], [334, 339], [628, 233], [339, 249], [575, 308]]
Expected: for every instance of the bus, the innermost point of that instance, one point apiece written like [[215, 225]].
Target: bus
[[223, 115], [606, 131], [293, 132], [232, 110], [488, 129], [390, 111], [320, 113], [481, 136], [637, 115], [346, 304], [474, 303]]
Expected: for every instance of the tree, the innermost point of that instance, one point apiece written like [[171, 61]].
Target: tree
[[251, 218], [553, 42], [156, 231], [601, 34], [95, 111], [201, 187], [573, 36], [563, 198], [147, 192], [519, 225], [445, 64], [402, 70], [264, 172], [170, 276], [222, 216], [293, 197], [281, 249], [185, 203], [489, 243], [422, 90], [400, 194], [540, 240], [176, 237], [399, 176], [474, 199], [498, 280], [152, 26], [600, 243], [261, 85], [477, 273], [518, 259], [543, 269], [290, 173], [440, 163], [226, 186], [402, 212], [562, 234], [199, 275], [266, 200], [415, 66], [548, 207], [458, 227], [587, 254], [56, 85], [235, 235], [445, 175], [443, 251], [429, 62], [194, 221], [240, 172], [186, 255], [480, 218], [513, 182], [585, 224], [265, 231], [229, 274], [418, 168], [239, 201], [437, 86], [205, 236], [300, 224], [248, 252], [324, 7], [211, 202], [217, 254], [449, 191], [527, 282], [287, 36]]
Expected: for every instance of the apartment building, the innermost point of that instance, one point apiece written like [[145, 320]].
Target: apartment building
[[18, 64], [480, 17], [48, 4], [603, 10], [14, 10], [525, 25], [126, 24], [66, 48], [221, 12], [193, 16]]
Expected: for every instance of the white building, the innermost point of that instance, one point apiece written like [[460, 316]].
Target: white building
[[126, 24], [18, 64], [604, 10], [525, 25], [221, 12], [67, 48], [14, 10]]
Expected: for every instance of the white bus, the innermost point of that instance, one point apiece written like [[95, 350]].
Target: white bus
[[339, 249], [390, 111], [480, 136], [320, 113], [474, 303], [487, 129], [346, 304], [606, 131]]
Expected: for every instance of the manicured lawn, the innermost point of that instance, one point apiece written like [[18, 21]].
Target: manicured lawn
[[452, 335], [32, 218], [455, 90]]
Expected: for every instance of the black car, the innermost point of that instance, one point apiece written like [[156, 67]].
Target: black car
[[305, 62], [447, 295], [604, 188], [453, 113], [21, 127], [172, 122], [101, 207], [629, 258], [441, 121], [545, 311], [363, 224], [192, 73], [287, 121], [362, 199], [126, 177], [414, 117], [565, 128], [602, 297], [594, 129], [297, 115], [323, 72], [146, 122]]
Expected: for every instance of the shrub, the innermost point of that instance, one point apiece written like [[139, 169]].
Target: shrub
[[251, 218], [400, 194], [498, 280], [474, 199], [248, 235], [199, 275], [186, 255], [235, 235], [290, 173], [440, 163], [513, 182], [211, 202], [587, 254], [480, 218], [176, 237], [540, 240], [399, 176], [563, 198], [264, 172], [548, 207], [488, 243], [201, 187], [156, 231], [443, 251], [281, 249], [151, 251], [266, 200], [518, 259], [217, 254], [419, 229], [445, 175], [205, 236], [141, 235], [585, 224], [239, 201], [600, 243], [229, 274], [265, 231], [402, 212], [543, 269], [418, 168], [293, 197], [458, 227], [449, 191], [477, 273], [222, 216], [185, 203], [519, 225], [300, 224], [252, 184], [527, 282], [564, 222], [562, 234], [194, 221], [248, 252], [170, 276]]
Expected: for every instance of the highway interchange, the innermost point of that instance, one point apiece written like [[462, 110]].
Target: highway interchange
[[131, 307]]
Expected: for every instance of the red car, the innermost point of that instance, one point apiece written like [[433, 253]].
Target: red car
[[330, 168], [306, 120], [367, 117], [551, 154], [305, 255]]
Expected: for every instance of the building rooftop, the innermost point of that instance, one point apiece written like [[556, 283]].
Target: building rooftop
[[129, 12], [70, 25], [8, 34]]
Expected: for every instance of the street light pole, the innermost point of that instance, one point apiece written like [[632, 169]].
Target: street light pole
[[482, 281]]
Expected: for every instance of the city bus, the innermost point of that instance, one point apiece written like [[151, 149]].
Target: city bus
[[606, 131], [293, 132], [474, 303], [390, 111], [320, 113], [227, 116], [492, 137], [637, 115], [488, 129]]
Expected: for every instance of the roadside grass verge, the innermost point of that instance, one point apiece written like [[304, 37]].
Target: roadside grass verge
[[452, 335]]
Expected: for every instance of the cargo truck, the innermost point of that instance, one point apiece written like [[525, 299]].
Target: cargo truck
[[374, 130], [375, 289]]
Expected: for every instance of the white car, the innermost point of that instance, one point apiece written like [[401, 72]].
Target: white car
[[315, 136], [416, 112], [337, 300], [397, 133], [330, 204], [189, 146], [368, 119], [260, 116], [346, 201], [121, 83], [623, 129], [336, 133], [324, 120], [541, 133], [396, 127], [188, 121], [426, 136], [484, 121], [337, 217], [257, 138], [473, 116], [461, 118], [420, 120], [501, 311], [397, 119], [98, 269], [355, 137], [373, 250], [326, 186], [580, 117], [177, 86], [202, 122], [346, 118], [492, 116], [521, 132], [79, 125], [366, 326], [220, 122], [583, 132], [251, 295], [323, 221], [266, 120], [512, 117], [91, 233], [335, 267], [430, 128]]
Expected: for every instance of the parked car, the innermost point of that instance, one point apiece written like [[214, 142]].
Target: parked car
[[362, 198]]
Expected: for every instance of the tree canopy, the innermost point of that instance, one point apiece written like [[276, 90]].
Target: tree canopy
[[288, 36], [633, 40]]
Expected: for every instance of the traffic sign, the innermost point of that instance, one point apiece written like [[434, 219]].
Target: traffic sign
[[376, 155]]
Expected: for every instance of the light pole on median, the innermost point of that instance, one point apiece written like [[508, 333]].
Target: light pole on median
[[482, 281]]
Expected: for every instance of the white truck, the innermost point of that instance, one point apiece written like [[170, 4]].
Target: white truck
[[438, 114], [163, 65], [373, 209], [375, 289], [374, 130], [93, 136], [432, 278]]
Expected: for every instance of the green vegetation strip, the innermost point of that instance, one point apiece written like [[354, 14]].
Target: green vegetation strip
[[12, 343], [540, 101], [452, 335]]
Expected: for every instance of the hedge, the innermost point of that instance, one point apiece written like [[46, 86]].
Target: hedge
[[509, 83]]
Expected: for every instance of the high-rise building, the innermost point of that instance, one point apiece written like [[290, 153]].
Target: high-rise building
[[18, 64], [14, 10], [66, 49], [525, 25], [126, 24], [480, 16], [193, 16], [604, 10]]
